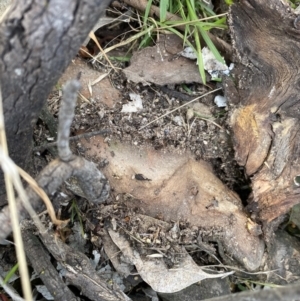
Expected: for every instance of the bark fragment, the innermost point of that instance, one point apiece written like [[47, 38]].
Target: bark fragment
[[266, 121]]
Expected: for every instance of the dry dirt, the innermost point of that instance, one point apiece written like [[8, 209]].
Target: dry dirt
[[186, 155]]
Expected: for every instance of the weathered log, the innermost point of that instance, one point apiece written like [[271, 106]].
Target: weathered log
[[38, 39], [265, 122]]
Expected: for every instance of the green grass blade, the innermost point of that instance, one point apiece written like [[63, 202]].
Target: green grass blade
[[221, 21], [206, 26], [192, 3], [191, 10], [188, 22], [76, 211], [192, 16], [147, 12], [229, 2], [197, 51], [163, 8], [187, 32], [199, 57], [10, 273], [207, 9], [179, 34], [181, 10], [146, 41], [120, 58], [211, 45]]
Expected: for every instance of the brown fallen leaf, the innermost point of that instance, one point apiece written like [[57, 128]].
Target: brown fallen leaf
[[155, 272], [159, 64]]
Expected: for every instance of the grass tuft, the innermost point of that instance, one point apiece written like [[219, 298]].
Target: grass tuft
[[188, 19]]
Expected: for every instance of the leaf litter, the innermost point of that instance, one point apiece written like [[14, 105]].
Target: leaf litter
[[158, 173]]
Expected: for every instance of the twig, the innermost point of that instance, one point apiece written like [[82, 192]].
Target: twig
[[74, 138], [40, 261], [211, 121], [187, 103], [94, 38], [41, 193], [127, 41], [80, 272], [65, 118]]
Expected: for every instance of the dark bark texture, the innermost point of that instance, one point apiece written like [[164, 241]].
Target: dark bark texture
[[265, 123], [80, 272], [38, 39], [40, 261]]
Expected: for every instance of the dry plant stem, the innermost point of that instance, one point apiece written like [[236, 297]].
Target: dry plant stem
[[34, 185], [13, 211], [123, 43], [187, 103], [211, 121], [80, 272], [11, 169], [10, 291], [74, 138], [65, 118], [154, 11], [93, 37], [90, 179], [40, 261]]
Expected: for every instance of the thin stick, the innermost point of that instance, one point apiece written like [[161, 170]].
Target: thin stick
[[187, 103], [10, 168], [42, 194], [93, 37], [65, 118], [211, 121], [74, 138], [14, 214], [129, 40]]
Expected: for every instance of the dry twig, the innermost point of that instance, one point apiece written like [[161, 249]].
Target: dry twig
[[187, 103], [74, 138], [40, 261]]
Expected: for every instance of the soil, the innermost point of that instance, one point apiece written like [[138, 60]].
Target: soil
[[206, 139], [200, 129], [167, 124]]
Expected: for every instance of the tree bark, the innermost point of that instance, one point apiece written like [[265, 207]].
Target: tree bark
[[38, 39], [265, 122], [41, 263]]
